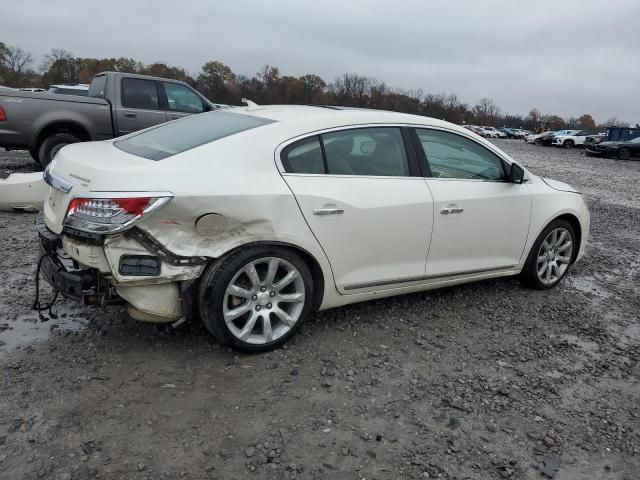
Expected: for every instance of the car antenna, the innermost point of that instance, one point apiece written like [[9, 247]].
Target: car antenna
[[250, 103]]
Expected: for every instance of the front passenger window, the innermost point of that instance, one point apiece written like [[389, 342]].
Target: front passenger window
[[453, 156]]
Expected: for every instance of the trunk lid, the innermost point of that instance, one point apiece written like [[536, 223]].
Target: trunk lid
[[91, 167]]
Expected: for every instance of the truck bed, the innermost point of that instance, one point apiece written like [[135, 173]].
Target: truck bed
[[28, 113]]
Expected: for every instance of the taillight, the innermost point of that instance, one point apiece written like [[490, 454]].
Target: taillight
[[3, 115], [111, 213]]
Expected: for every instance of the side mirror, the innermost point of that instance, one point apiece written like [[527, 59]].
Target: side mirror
[[517, 173]]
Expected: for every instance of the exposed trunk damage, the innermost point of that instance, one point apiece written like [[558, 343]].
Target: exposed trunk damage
[[23, 192]]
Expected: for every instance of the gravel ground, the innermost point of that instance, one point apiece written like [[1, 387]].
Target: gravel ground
[[483, 381]]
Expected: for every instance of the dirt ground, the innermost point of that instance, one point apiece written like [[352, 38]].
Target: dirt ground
[[483, 381]]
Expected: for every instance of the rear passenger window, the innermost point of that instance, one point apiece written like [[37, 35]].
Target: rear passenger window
[[304, 156], [140, 93], [366, 151]]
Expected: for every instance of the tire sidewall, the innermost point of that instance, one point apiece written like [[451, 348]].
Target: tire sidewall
[[44, 152], [216, 279], [530, 273]]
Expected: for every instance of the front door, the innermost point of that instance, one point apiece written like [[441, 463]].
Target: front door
[[370, 215], [140, 105], [481, 219], [181, 101]]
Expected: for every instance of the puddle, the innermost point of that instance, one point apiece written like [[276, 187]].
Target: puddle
[[28, 329]]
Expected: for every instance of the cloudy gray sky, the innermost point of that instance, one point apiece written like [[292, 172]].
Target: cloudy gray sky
[[566, 57]]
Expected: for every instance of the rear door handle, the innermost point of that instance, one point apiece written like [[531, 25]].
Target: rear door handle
[[130, 115], [328, 211], [448, 210]]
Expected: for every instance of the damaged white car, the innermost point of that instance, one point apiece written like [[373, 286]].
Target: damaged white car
[[252, 218]]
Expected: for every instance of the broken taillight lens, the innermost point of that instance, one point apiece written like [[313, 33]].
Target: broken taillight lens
[[111, 214], [3, 115]]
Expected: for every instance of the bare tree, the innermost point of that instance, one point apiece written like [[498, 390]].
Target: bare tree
[[16, 60], [55, 55]]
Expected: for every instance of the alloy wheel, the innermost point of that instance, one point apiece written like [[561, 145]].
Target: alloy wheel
[[554, 256], [264, 300]]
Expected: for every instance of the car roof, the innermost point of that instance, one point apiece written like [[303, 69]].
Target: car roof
[[330, 116]]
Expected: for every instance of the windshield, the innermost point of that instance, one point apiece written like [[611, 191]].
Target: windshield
[[176, 137]]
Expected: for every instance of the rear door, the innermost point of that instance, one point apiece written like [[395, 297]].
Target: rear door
[[362, 197], [139, 105], [481, 219], [181, 100]]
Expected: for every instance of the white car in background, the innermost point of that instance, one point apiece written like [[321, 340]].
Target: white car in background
[[494, 132], [255, 217], [571, 139]]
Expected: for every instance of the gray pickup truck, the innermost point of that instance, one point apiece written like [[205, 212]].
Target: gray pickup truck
[[117, 104]]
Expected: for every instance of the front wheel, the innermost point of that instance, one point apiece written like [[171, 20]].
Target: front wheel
[[257, 298], [568, 144], [550, 256]]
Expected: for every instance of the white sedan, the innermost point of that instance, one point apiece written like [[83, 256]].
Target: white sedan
[[252, 218]]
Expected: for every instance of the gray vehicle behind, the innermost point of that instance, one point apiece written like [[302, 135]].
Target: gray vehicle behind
[[117, 104]]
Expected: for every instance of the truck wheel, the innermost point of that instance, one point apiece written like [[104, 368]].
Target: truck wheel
[[52, 145], [34, 154]]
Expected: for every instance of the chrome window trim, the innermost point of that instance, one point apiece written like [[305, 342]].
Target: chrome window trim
[[468, 135]]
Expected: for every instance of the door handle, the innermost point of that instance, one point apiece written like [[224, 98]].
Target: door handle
[[328, 211], [130, 115], [448, 210]]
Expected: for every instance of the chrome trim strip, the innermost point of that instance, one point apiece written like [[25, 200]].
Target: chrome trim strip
[[56, 181], [395, 281]]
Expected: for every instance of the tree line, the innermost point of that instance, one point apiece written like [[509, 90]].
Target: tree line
[[269, 86]]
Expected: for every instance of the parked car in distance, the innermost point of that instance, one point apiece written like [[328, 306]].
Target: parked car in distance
[[117, 104], [532, 137], [570, 139], [620, 150], [622, 134], [594, 139], [476, 130], [254, 217], [81, 89], [494, 132]]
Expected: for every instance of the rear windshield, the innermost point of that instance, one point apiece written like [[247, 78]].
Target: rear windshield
[[191, 132]]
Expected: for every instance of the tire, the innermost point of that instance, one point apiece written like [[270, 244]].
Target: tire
[[52, 144], [624, 153], [568, 144], [229, 300], [535, 263], [537, 141]]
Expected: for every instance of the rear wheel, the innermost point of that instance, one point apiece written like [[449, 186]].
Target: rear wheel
[[52, 145], [624, 153], [34, 154], [257, 298], [550, 256]]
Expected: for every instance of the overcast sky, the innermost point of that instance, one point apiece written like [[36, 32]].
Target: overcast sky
[[566, 57]]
